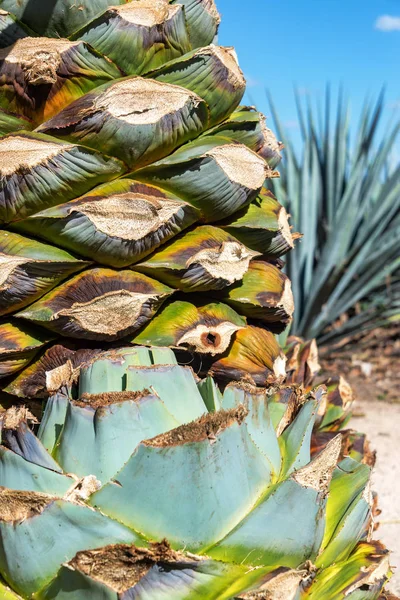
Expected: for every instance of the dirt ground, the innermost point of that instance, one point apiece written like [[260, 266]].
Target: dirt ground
[[381, 422], [373, 370]]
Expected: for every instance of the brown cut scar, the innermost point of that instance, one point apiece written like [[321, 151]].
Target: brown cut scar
[[12, 417], [26, 48], [318, 473], [141, 101], [227, 56], [8, 264], [108, 398], [285, 231], [270, 140], [62, 375], [128, 216], [120, 566], [17, 151], [287, 300], [241, 165], [146, 13], [18, 505], [39, 58], [229, 261], [206, 427], [211, 8], [212, 339], [279, 587], [110, 313]]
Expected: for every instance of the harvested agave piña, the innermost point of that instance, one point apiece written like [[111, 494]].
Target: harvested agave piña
[[134, 210]]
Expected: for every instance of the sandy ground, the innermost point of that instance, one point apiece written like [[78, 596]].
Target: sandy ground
[[381, 422]]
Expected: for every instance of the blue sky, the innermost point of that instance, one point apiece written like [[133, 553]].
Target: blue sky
[[308, 42]]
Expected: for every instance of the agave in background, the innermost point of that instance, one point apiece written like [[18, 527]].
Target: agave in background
[[344, 197]]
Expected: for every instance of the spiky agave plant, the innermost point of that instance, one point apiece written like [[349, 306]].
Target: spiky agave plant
[[343, 194], [132, 208]]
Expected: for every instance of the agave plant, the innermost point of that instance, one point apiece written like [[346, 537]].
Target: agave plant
[[343, 196], [131, 198], [134, 450], [135, 219]]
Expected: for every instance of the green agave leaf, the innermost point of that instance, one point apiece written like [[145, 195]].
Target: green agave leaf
[[138, 120], [212, 174], [278, 410], [19, 343], [290, 513], [262, 226], [51, 73], [99, 304], [284, 403], [264, 294], [210, 393], [57, 19], [202, 20], [158, 573], [6, 593], [233, 395], [254, 354], [139, 36], [206, 258], [211, 469], [52, 421], [38, 171], [116, 224], [247, 126], [361, 577], [212, 73], [354, 527], [347, 511], [16, 435], [10, 29], [51, 371], [39, 532], [173, 385], [138, 369], [95, 418], [108, 373], [260, 426], [17, 473], [204, 328], [295, 440], [10, 122], [29, 269]]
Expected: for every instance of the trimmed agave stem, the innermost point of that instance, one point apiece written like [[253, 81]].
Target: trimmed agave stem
[[233, 527]]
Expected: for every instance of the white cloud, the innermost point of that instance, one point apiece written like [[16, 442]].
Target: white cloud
[[387, 23]]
